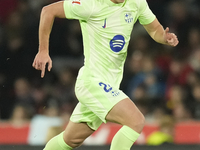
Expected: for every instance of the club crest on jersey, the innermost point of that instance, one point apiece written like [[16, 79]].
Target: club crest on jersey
[[128, 17], [115, 93], [76, 2]]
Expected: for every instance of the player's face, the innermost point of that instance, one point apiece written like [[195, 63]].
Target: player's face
[[117, 1]]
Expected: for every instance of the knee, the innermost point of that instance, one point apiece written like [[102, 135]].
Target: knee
[[141, 123], [74, 143], [138, 124]]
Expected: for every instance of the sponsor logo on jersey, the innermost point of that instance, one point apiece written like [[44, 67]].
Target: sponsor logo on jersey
[[117, 43], [76, 2], [128, 17]]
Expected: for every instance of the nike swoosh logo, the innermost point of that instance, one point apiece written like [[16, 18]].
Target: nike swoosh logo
[[104, 26]]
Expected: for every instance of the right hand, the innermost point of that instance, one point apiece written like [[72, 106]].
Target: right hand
[[40, 61]]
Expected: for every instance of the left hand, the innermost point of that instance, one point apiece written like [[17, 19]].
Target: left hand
[[171, 38]]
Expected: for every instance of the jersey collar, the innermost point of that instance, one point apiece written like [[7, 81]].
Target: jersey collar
[[110, 3]]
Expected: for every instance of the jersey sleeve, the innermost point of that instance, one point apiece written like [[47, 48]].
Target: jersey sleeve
[[146, 16], [78, 9]]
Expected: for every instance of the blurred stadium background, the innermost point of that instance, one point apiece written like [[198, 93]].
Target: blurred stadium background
[[164, 82]]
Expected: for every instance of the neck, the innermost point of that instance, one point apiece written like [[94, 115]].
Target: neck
[[117, 1]]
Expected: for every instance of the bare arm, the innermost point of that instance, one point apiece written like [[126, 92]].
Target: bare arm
[[157, 32], [48, 14]]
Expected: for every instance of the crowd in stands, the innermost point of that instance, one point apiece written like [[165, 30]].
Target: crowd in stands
[[161, 80]]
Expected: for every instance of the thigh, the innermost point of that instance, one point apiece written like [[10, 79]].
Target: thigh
[[98, 97], [125, 112], [76, 133], [83, 113]]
